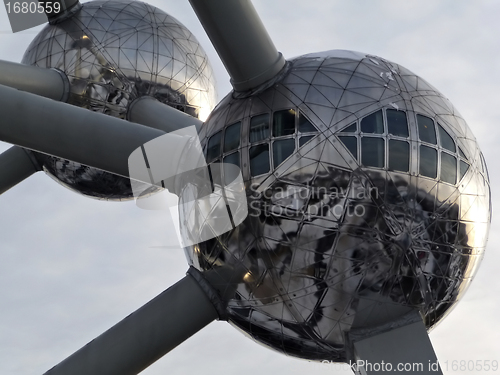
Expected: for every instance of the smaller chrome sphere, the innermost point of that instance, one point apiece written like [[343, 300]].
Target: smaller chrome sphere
[[114, 52]]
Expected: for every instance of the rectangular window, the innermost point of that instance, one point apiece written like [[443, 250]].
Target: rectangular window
[[259, 160], [283, 123], [304, 140], [396, 123], [351, 143], [426, 130], [350, 129], [305, 126], [282, 149], [213, 150], [399, 155], [448, 168], [232, 137], [373, 123], [428, 162], [462, 153], [372, 152], [259, 128], [445, 140], [463, 169]]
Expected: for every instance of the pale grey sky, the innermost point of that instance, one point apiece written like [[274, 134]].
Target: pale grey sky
[[71, 267]]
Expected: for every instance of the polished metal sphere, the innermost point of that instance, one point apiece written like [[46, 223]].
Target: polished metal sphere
[[114, 52], [368, 197]]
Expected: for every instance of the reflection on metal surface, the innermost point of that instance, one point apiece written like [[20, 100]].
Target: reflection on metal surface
[[114, 52], [209, 205], [348, 231]]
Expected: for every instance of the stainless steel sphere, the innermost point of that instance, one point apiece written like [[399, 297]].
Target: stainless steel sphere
[[114, 52], [368, 197]]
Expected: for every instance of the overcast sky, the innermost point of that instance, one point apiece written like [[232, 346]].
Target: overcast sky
[[71, 267]]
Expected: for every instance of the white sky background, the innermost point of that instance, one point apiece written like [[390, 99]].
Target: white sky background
[[71, 267]]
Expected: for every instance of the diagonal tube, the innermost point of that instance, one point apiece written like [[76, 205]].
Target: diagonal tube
[[50, 83], [241, 40], [54, 84], [148, 111], [72, 133], [59, 10], [158, 327], [15, 166], [145, 335]]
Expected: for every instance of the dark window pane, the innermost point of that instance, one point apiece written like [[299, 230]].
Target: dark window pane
[[213, 151], [462, 154], [399, 155], [351, 143], [445, 140], [259, 160], [463, 169], [350, 129], [283, 123], [231, 167], [259, 127], [282, 150], [373, 123], [426, 130], [305, 126], [372, 152], [428, 162], [232, 137], [396, 123], [304, 140], [448, 168]]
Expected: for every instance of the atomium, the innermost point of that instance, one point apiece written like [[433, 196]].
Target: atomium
[[114, 52], [368, 197], [365, 195]]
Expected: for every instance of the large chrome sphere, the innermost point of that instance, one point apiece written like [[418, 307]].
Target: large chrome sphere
[[114, 52], [368, 197]]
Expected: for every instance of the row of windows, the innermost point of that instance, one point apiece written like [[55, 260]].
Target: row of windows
[[284, 123], [272, 138], [388, 130], [231, 142], [260, 161]]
